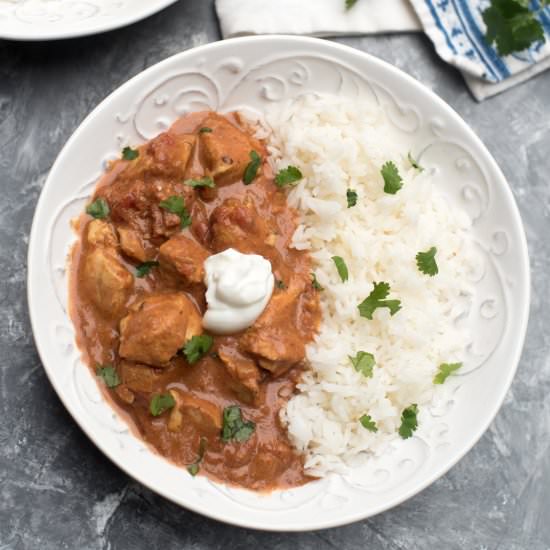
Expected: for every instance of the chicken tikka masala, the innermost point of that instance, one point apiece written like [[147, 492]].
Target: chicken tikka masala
[[205, 400]]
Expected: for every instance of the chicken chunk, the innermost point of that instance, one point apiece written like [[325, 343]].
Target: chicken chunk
[[138, 378], [166, 155], [270, 339], [132, 244], [107, 281], [226, 150], [101, 233], [245, 372], [157, 327], [237, 224], [206, 416], [183, 257]]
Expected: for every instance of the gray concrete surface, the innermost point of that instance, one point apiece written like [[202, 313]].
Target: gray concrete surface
[[58, 491]]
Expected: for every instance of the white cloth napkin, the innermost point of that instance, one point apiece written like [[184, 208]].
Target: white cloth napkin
[[453, 28]]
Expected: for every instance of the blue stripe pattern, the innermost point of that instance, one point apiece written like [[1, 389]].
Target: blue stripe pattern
[[458, 31]]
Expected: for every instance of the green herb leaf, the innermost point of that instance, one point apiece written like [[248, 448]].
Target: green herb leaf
[[426, 262], [368, 423], [193, 469], [392, 178], [363, 362], [143, 269], [280, 284], [341, 267], [251, 169], [197, 347], [409, 422], [176, 205], [414, 163], [351, 196], [160, 403], [315, 283], [288, 176], [98, 209], [205, 130], [202, 182], [234, 427], [445, 370], [108, 374], [350, 4], [130, 154], [377, 299], [512, 26]]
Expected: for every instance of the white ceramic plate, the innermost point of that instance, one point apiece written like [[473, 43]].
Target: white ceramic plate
[[54, 19], [252, 73]]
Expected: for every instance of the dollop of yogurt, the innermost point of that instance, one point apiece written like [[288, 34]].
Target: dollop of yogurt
[[239, 287]]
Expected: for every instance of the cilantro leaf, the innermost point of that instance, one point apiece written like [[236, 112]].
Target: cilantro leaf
[[143, 269], [350, 4], [234, 427], [512, 26], [315, 283], [426, 262], [341, 267], [202, 182], [409, 422], [368, 423], [160, 403], [176, 205], [392, 178], [130, 154], [288, 176], [363, 362], [193, 469], [445, 369], [98, 209], [205, 130], [251, 170], [414, 163], [197, 347], [108, 374], [280, 284], [351, 197], [376, 299]]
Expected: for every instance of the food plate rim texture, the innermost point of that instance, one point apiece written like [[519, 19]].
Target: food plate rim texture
[[13, 27], [294, 63]]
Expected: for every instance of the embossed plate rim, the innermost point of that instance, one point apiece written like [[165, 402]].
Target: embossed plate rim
[[85, 27], [260, 518]]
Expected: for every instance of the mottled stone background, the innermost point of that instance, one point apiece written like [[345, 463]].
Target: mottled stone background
[[58, 491]]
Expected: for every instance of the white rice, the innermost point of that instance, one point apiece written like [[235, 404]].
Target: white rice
[[341, 144]]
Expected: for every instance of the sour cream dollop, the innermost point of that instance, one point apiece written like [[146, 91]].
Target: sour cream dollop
[[239, 287]]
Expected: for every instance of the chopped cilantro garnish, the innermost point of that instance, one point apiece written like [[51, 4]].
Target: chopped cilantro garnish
[[143, 269], [108, 374], [234, 427], [197, 347], [341, 267], [368, 423], [377, 299], [205, 130], [130, 154], [176, 205], [445, 370], [251, 170], [98, 209], [426, 262], [315, 283], [409, 422], [392, 179], [363, 362], [202, 182], [351, 196], [414, 163], [280, 284], [350, 4], [160, 403], [288, 176], [193, 469]]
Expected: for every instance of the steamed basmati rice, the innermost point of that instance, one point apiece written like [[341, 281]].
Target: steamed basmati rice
[[340, 144]]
